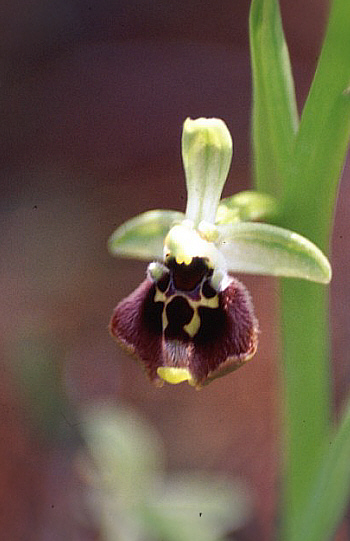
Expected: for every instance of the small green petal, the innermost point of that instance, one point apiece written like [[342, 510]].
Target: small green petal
[[246, 206], [142, 237], [266, 249], [206, 154]]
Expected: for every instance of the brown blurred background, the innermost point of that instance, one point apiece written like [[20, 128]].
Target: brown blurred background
[[93, 96]]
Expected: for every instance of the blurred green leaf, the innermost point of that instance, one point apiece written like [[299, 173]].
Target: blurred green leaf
[[274, 117], [197, 507], [246, 206], [142, 237], [137, 501], [266, 249], [128, 454]]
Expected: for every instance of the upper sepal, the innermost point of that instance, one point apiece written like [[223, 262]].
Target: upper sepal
[[142, 237], [206, 153], [266, 249]]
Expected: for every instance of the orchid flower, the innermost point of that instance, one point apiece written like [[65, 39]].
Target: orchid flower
[[190, 319]]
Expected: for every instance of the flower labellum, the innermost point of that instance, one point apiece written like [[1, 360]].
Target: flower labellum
[[190, 319], [186, 322]]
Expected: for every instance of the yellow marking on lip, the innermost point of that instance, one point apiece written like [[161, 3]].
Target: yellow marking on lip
[[159, 296], [174, 375], [164, 319], [213, 302], [193, 326]]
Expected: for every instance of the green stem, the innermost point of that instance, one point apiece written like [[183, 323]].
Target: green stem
[[301, 166], [305, 327], [307, 391]]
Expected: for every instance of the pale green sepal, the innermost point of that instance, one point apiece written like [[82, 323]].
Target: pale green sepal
[[142, 237], [266, 249], [206, 154], [246, 206]]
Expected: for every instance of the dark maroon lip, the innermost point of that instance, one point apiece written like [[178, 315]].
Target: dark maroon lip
[[155, 327]]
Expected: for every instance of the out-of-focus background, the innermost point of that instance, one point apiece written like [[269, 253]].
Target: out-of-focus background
[[93, 96]]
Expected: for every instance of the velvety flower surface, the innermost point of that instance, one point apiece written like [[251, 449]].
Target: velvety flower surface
[[190, 319], [180, 321]]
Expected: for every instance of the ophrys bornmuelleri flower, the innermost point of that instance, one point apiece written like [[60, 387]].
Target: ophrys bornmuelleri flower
[[190, 319]]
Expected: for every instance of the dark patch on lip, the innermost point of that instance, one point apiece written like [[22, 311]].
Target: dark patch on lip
[[188, 277], [212, 324], [179, 313], [207, 290], [163, 282]]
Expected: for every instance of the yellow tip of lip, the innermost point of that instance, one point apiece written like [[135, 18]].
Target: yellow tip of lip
[[175, 375]]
